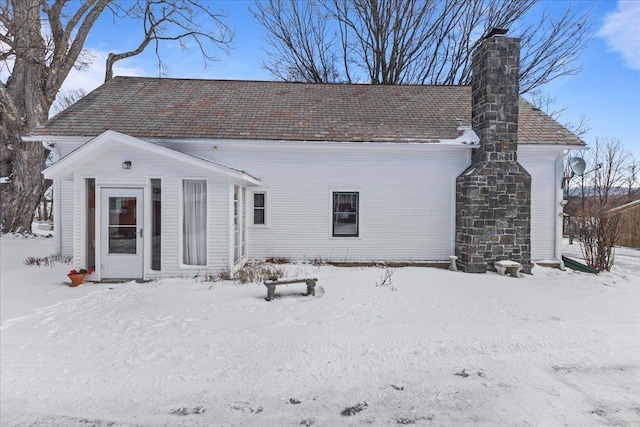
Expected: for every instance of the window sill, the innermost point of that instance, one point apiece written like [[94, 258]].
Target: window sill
[[192, 267]]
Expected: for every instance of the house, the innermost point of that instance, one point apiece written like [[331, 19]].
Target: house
[[162, 177], [630, 216]]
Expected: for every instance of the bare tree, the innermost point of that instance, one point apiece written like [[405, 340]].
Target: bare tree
[[40, 42], [632, 177], [63, 101], [66, 99], [412, 41], [546, 103], [171, 20], [304, 47], [598, 228]]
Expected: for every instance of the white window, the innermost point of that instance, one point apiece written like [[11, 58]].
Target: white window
[[239, 223], [243, 217], [236, 224], [194, 222]]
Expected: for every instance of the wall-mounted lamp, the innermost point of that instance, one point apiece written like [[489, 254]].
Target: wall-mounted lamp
[[126, 164]]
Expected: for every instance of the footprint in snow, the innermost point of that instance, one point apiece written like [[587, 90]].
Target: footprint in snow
[[246, 408], [188, 411], [465, 374], [353, 410], [319, 294]]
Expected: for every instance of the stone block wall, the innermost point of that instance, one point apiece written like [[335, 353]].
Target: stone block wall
[[493, 196], [493, 216]]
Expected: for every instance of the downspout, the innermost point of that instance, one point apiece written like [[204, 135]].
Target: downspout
[[57, 242], [53, 148], [559, 209]]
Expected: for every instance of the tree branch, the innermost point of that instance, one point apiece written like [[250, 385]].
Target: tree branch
[[64, 55], [413, 41], [173, 20]]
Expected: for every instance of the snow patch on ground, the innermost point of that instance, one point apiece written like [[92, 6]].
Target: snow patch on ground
[[433, 347]]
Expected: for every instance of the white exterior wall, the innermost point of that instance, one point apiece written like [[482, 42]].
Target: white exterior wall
[[546, 194], [108, 173], [64, 228], [406, 200]]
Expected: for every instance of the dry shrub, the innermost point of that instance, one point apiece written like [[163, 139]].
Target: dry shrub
[[251, 272], [48, 261], [258, 271], [599, 226], [599, 231], [318, 261], [278, 260]]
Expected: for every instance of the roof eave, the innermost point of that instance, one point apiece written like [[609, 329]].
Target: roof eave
[[95, 146]]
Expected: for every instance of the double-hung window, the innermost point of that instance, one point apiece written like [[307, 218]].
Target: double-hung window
[[259, 208], [345, 214], [239, 223]]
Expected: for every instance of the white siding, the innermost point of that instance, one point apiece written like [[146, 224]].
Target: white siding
[[406, 198], [108, 172], [406, 195], [545, 205], [66, 201]]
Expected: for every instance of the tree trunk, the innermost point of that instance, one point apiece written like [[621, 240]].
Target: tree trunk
[[25, 103], [20, 197]]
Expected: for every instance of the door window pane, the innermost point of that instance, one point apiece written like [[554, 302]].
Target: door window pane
[[122, 225], [122, 240]]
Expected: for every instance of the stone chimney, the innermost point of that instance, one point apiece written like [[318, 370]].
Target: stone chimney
[[493, 196]]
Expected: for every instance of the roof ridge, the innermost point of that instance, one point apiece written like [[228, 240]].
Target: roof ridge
[[362, 84]]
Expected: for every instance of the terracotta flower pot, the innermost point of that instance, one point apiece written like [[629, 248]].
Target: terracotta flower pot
[[76, 279]]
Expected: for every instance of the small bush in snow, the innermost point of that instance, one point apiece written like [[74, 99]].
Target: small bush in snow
[[251, 272], [317, 261], [386, 278], [48, 261], [278, 260]]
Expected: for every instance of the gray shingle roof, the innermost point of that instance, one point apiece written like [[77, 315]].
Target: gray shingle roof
[[180, 108]]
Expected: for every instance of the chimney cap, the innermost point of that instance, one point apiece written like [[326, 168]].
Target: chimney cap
[[497, 32]]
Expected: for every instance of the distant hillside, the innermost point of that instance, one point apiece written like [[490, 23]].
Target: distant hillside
[[615, 191]]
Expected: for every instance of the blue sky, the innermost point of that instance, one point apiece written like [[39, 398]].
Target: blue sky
[[606, 91]]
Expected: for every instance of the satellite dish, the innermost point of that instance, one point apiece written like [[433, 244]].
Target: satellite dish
[[577, 166]]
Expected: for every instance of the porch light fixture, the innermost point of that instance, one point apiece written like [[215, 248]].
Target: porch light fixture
[[126, 164]]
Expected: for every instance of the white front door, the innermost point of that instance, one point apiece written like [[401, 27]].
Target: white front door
[[121, 233]]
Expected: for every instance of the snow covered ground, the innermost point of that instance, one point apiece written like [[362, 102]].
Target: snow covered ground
[[433, 347]]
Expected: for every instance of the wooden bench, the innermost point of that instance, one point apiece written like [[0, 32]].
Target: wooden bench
[[507, 266], [272, 283]]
